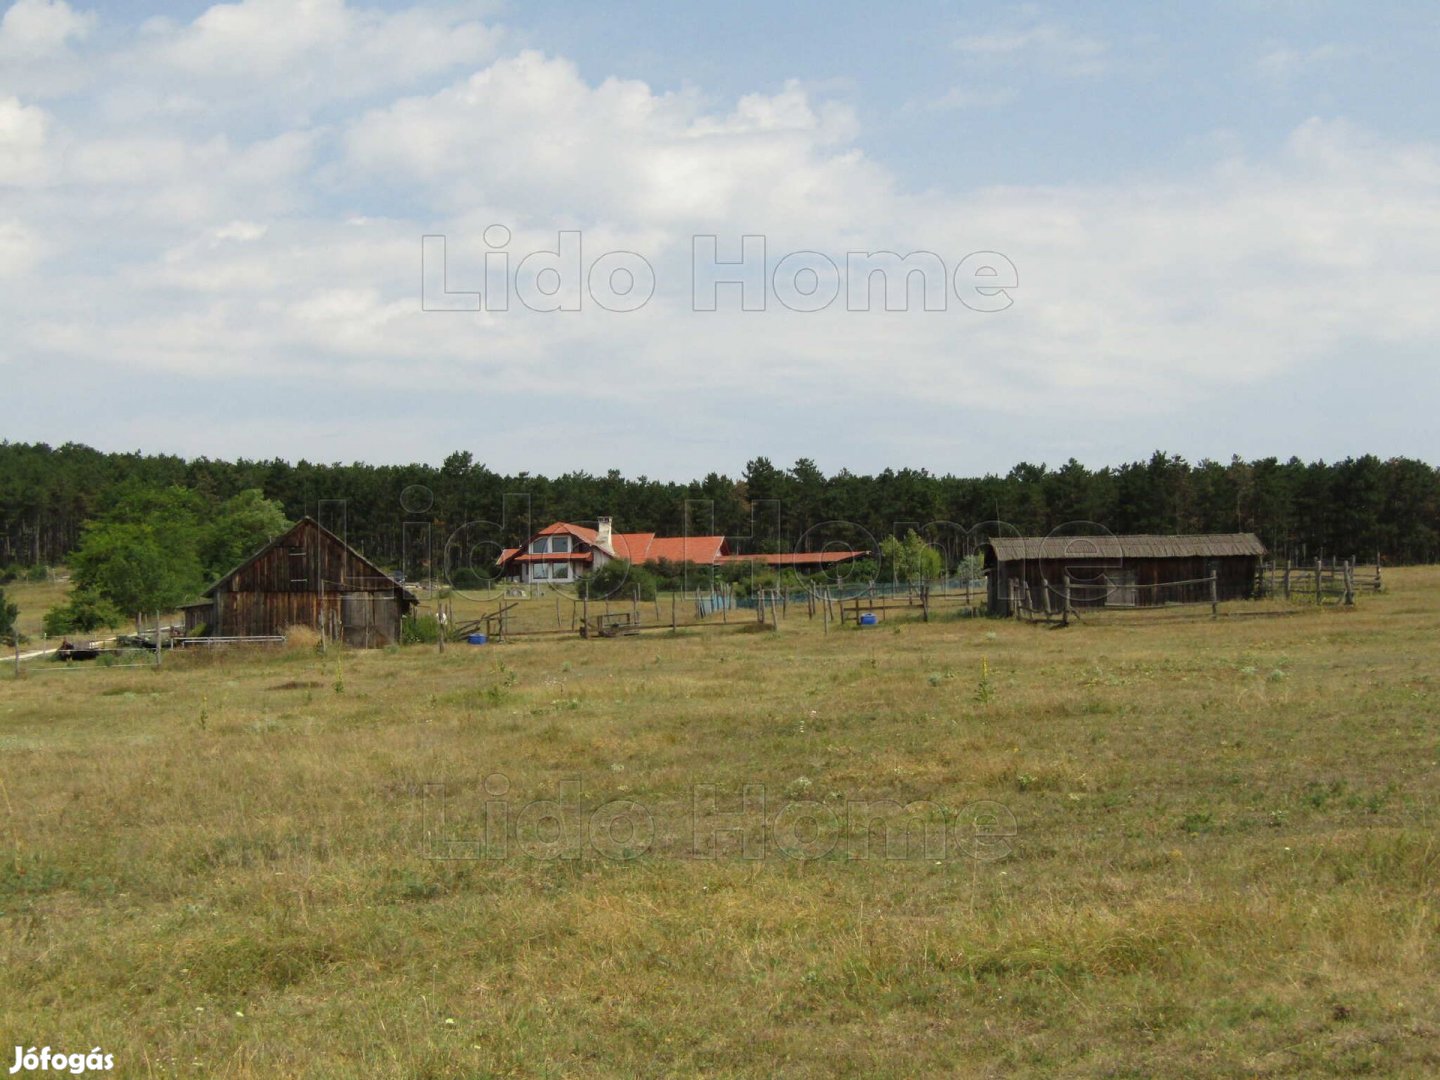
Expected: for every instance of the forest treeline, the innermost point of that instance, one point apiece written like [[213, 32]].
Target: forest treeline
[[1358, 506]]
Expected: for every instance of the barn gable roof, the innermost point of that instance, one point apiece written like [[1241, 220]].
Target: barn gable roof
[[1212, 545], [304, 524]]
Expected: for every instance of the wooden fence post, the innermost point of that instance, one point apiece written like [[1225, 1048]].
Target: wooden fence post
[[1350, 583], [1318, 563], [1045, 597], [1287, 579], [1065, 615], [1214, 595]]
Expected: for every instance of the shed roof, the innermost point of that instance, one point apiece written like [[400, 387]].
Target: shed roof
[[1212, 545], [799, 558], [309, 523]]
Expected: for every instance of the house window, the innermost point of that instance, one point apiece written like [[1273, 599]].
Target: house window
[[539, 571], [560, 544], [560, 572], [539, 547]]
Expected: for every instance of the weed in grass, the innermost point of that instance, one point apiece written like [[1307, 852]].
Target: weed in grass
[[1198, 821], [985, 688]]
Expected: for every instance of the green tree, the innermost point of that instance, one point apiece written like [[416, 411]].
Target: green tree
[[83, 612], [136, 567], [911, 560], [8, 614], [239, 528]]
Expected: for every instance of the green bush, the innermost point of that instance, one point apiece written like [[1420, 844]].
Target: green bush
[[671, 575], [31, 575], [420, 630], [83, 613], [468, 577], [616, 580], [8, 614]]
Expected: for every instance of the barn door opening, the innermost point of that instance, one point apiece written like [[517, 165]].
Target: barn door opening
[[1122, 591], [357, 620]]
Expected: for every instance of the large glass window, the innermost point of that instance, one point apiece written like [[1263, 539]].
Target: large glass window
[[539, 571], [540, 546], [560, 544], [560, 572]]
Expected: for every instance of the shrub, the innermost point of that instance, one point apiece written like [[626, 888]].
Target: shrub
[[84, 612], [617, 580], [469, 577], [419, 630], [8, 614]]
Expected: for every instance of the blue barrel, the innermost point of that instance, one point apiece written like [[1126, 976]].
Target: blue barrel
[[477, 639], [868, 619]]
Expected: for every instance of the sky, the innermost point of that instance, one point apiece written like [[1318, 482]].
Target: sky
[[1212, 229]]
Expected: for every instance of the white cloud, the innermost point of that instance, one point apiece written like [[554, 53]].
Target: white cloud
[[965, 97], [308, 52], [529, 129], [37, 28], [1051, 43], [1285, 62], [23, 135], [19, 248], [177, 241]]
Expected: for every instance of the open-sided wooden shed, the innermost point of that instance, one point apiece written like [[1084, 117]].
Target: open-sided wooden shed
[[1120, 571], [309, 577]]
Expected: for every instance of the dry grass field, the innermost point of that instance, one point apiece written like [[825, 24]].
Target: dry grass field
[[1224, 858], [34, 599]]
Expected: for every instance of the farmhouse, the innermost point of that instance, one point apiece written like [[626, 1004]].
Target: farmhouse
[[1120, 571], [562, 552], [307, 576]]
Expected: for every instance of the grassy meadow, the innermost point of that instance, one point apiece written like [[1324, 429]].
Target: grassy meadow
[[1167, 846]]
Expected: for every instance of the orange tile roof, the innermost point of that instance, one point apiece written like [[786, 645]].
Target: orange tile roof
[[631, 546], [578, 531], [638, 547], [704, 550]]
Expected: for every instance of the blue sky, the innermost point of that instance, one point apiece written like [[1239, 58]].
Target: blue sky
[[1224, 221]]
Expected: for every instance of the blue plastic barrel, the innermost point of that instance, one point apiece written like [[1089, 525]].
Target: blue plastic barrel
[[477, 639], [868, 619]]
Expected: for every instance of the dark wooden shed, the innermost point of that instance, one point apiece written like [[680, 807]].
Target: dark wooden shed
[[307, 576], [1121, 571]]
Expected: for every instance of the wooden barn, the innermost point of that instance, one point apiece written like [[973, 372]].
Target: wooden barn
[[1120, 571], [307, 576]]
